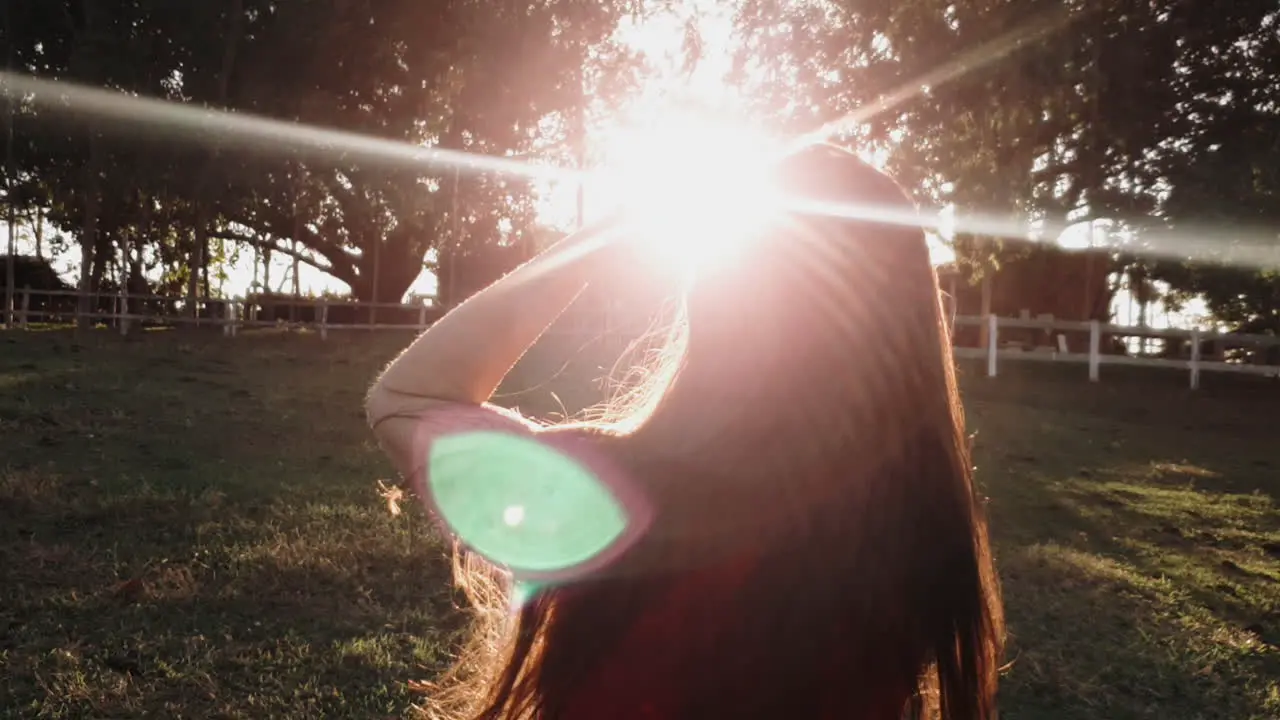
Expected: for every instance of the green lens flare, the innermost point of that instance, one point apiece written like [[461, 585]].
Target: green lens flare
[[520, 503]]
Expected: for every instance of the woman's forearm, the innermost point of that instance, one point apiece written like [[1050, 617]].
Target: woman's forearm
[[464, 356]]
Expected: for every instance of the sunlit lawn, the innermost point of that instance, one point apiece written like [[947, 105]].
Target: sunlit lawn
[[190, 527]]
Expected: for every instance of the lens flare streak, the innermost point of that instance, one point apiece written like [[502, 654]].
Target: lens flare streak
[[1257, 247], [185, 122], [1025, 35], [1240, 246]]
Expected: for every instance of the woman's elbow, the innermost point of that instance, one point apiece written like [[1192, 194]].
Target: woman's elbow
[[382, 404], [374, 401]]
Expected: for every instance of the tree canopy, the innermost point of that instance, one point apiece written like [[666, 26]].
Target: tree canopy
[[1161, 117], [490, 77], [1155, 115]]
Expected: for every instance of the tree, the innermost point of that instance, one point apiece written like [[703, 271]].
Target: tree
[[1227, 187], [65, 163], [486, 77], [1087, 121]]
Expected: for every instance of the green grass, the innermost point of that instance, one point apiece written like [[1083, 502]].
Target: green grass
[[190, 526]]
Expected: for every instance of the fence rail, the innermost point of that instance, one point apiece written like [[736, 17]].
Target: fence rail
[[1042, 339], [1194, 350], [126, 311]]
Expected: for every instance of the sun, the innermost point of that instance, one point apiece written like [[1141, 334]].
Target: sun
[[691, 190]]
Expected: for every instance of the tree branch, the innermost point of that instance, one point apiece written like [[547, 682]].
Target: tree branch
[[274, 247], [281, 225]]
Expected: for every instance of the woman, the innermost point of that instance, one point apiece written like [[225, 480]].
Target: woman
[[815, 549]]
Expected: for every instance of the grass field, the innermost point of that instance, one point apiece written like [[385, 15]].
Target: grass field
[[190, 527]]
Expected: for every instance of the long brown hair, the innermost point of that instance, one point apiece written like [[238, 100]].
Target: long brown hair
[[807, 460]]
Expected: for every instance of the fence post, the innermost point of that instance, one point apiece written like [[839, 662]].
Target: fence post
[[26, 308], [993, 343], [1095, 349], [1195, 359], [422, 316], [124, 312], [324, 318], [229, 315]]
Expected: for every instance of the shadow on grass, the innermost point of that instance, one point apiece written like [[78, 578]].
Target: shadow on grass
[[1137, 579], [1220, 548], [1093, 637]]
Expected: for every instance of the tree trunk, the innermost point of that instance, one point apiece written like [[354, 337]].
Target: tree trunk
[[130, 266], [297, 281], [102, 257], [200, 261], [199, 241], [386, 281], [221, 275], [88, 239], [266, 270], [126, 278], [9, 279], [206, 289], [377, 272], [37, 223], [82, 64]]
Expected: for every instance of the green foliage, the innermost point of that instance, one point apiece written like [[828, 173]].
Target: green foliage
[[1227, 179]]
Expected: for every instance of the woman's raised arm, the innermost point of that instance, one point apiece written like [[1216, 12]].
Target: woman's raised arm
[[463, 357]]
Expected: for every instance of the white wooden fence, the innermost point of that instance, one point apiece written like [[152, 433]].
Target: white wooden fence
[[1043, 339], [1228, 352], [125, 311]]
